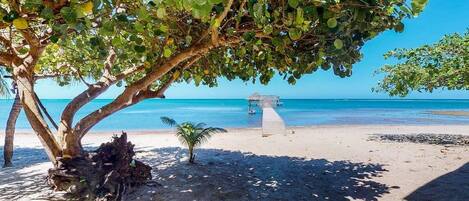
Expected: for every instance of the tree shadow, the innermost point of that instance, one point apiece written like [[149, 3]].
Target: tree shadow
[[26, 180], [453, 186], [229, 175]]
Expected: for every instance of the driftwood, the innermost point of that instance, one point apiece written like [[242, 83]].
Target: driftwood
[[105, 174]]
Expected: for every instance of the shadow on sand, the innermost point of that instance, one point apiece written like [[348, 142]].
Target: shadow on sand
[[453, 186], [227, 175], [27, 178]]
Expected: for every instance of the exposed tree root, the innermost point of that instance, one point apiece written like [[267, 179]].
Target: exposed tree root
[[105, 174]]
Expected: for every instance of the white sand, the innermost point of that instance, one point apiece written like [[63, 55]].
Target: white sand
[[314, 163]]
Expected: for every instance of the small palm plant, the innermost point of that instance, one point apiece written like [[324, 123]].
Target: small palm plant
[[192, 135]]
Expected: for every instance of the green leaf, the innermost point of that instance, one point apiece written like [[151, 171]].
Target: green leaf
[[399, 27], [331, 23], [249, 36], [418, 5], [167, 52], [294, 33], [338, 44], [293, 3], [94, 41], [268, 29], [143, 14], [47, 13], [68, 14], [54, 38], [161, 12], [299, 16], [139, 48]]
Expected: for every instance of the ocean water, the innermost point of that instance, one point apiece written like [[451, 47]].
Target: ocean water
[[232, 113]]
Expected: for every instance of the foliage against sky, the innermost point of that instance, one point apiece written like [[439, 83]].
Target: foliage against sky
[[444, 64], [290, 37]]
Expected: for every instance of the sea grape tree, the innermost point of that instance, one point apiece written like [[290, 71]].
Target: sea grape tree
[[146, 45], [444, 64]]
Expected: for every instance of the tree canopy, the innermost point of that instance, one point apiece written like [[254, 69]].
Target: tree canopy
[[148, 45], [290, 38], [444, 64]]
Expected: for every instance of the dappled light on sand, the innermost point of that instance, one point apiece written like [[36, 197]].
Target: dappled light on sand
[[26, 180], [233, 175]]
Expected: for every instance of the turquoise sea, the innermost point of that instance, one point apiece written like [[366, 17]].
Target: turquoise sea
[[233, 112]]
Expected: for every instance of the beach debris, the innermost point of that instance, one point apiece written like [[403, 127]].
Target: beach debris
[[424, 138], [105, 174]]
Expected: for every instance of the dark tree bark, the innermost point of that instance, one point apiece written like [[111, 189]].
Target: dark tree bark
[[10, 131], [105, 174]]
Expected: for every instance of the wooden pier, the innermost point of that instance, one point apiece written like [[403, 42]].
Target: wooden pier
[[272, 123]]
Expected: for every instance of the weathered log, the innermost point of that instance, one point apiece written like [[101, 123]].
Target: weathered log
[[101, 175]]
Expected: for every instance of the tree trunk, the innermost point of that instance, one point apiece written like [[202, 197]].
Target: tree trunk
[[191, 154], [24, 80], [71, 146], [10, 131]]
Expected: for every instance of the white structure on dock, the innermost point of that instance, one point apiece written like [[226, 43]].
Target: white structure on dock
[[257, 100], [272, 123]]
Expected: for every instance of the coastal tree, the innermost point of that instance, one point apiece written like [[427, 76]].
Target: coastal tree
[[444, 65], [145, 46]]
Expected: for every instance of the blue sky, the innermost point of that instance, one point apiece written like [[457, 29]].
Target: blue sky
[[439, 18]]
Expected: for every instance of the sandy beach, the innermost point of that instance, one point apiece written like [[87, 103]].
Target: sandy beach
[[309, 163]]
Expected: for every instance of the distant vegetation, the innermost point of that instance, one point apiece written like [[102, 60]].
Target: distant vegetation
[[192, 135], [444, 64]]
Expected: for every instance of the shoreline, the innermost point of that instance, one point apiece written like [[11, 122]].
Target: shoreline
[[289, 128]]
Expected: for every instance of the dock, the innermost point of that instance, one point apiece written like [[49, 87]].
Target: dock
[[272, 123]]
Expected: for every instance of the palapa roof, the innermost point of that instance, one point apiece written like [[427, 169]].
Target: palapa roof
[[258, 97]]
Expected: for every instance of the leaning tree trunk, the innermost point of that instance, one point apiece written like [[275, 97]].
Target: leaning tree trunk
[[10, 131], [25, 82]]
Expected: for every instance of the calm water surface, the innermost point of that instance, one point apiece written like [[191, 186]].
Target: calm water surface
[[233, 112]]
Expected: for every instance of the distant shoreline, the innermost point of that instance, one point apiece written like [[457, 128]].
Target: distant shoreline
[[450, 112]]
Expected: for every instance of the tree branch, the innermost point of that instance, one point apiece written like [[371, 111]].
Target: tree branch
[[139, 90], [111, 58], [6, 59], [93, 91], [213, 29], [44, 110], [5, 42], [218, 21]]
